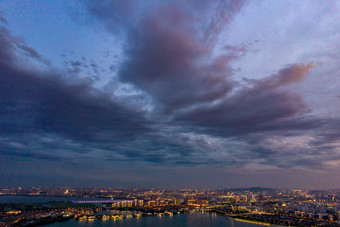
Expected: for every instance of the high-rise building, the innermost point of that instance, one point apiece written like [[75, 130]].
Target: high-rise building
[[152, 203], [191, 201]]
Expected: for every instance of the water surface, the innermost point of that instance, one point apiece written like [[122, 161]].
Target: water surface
[[181, 220]]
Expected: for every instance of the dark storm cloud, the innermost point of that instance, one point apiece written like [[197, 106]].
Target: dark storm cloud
[[260, 106], [42, 102], [47, 104], [168, 59]]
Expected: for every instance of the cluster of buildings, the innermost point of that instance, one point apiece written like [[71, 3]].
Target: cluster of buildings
[[266, 205]]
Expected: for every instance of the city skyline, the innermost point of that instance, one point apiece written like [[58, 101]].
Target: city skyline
[[170, 94], [258, 205]]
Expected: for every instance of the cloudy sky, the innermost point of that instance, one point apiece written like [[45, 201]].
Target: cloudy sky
[[170, 93]]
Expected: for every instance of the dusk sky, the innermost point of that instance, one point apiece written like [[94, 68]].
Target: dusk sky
[[170, 93]]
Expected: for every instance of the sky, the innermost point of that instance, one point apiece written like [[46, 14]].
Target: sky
[[170, 94]]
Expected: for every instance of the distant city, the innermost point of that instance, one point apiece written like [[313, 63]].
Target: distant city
[[257, 205]]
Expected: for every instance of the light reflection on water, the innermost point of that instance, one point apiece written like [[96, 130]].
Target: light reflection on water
[[181, 220]]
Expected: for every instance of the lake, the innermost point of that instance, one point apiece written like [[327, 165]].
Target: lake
[[181, 220]]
